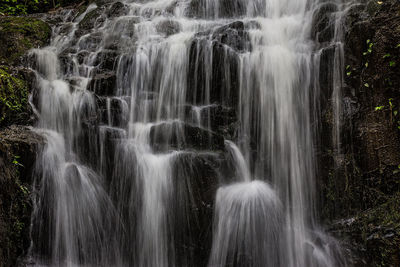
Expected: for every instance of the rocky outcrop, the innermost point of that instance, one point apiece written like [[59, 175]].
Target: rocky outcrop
[[183, 136], [18, 35], [18, 144], [18, 149], [360, 184]]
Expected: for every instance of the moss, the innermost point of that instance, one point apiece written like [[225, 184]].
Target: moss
[[13, 98], [19, 34], [380, 231]]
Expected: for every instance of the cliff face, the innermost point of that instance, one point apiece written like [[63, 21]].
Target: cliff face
[[360, 184], [18, 144]]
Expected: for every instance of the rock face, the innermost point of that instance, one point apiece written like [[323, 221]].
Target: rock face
[[360, 182], [18, 148], [18, 144], [19, 34]]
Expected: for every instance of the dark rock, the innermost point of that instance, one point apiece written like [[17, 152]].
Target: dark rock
[[360, 180], [115, 113], [117, 9], [220, 119], [103, 84], [93, 19], [227, 9], [18, 149], [168, 27], [195, 183], [324, 23], [218, 63], [214, 56], [233, 35], [177, 135], [66, 60], [106, 60], [90, 41]]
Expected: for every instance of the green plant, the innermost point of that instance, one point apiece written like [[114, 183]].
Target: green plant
[[369, 48], [23, 7], [348, 70], [16, 162]]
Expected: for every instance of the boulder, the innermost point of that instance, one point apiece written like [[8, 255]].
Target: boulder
[[177, 135], [18, 149], [18, 35], [168, 27]]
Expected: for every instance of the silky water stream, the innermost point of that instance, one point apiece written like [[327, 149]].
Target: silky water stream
[[138, 100]]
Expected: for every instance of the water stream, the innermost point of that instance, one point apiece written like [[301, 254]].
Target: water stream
[[138, 100]]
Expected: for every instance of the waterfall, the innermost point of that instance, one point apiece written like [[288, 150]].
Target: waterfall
[[138, 102]]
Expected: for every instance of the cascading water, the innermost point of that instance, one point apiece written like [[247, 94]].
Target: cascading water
[[135, 111]]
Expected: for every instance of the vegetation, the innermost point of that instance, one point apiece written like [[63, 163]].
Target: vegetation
[[13, 97], [23, 7], [19, 34]]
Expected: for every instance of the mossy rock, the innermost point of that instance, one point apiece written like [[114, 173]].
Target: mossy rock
[[18, 149], [14, 92], [19, 34], [374, 235]]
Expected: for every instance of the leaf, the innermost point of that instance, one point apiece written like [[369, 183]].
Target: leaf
[[379, 2], [386, 56], [366, 84], [348, 73], [368, 41], [392, 64], [395, 112], [379, 108], [366, 65]]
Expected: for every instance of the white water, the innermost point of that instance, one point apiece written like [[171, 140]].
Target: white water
[[109, 195]]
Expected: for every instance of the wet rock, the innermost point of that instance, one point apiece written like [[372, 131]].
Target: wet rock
[[233, 35], [168, 27], [218, 63], [225, 9], [218, 49], [90, 41], [106, 60], [327, 60], [113, 111], [178, 135], [66, 60], [196, 180], [117, 9], [122, 34], [323, 23], [220, 119], [18, 149], [361, 179], [93, 19], [103, 84]]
